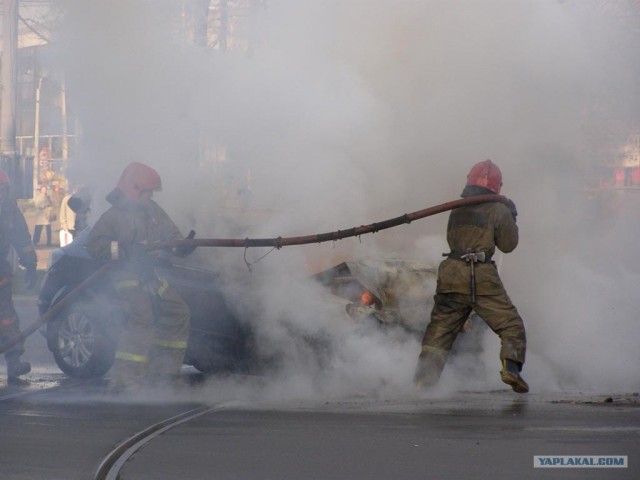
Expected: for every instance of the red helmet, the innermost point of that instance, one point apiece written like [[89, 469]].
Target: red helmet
[[485, 174], [138, 177], [4, 178]]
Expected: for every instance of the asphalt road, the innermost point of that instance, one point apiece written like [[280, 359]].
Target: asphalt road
[[57, 428]]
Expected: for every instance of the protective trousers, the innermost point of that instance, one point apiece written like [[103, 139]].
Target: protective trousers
[[155, 338], [9, 323], [450, 311]]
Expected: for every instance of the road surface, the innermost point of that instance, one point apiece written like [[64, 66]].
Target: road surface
[[59, 428]]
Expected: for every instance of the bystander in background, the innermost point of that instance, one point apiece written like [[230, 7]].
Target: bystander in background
[[45, 214]]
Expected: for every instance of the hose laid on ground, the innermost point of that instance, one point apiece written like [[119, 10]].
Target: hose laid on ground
[[277, 242]]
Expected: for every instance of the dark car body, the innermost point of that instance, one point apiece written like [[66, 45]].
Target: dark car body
[[84, 335]]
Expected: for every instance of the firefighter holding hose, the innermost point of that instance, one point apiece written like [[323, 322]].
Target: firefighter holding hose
[[468, 280], [152, 347]]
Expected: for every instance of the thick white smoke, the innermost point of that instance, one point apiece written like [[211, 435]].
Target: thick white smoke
[[350, 112]]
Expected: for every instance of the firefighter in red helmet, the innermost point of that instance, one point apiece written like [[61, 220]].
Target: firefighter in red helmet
[[486, 175], [153, 344], [13, 232], [468, 280]]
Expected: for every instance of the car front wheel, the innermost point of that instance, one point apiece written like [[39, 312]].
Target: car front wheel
[[80, 341]]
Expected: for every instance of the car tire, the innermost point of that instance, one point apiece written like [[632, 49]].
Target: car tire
[[81, 344]]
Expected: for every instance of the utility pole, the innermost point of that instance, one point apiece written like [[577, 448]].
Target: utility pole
[[36, 138], [9, 47]]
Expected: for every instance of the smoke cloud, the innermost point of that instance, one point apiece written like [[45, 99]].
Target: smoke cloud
[[346, 113]]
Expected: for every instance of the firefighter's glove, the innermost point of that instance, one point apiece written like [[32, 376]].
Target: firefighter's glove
[[30, 278], [139, 260], [185, 250], [512, 208]]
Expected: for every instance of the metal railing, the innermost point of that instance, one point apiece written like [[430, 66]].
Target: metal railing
[[54, 143]]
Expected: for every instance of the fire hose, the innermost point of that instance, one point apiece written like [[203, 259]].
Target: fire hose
[[280, 242], [276, 242]]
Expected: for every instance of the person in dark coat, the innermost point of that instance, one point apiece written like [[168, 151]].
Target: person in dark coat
[[80, 204]]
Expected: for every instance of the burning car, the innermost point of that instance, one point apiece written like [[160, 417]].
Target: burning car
[[388, 294], [395, 296]]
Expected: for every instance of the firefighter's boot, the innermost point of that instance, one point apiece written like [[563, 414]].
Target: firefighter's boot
[[430, 366], [16, 367], [126, 377], [510, 374]]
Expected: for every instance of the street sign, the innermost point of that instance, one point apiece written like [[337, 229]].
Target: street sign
[[43, 156]]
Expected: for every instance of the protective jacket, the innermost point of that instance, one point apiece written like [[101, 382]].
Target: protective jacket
[[481, 228], [14, 232], [128, 222]]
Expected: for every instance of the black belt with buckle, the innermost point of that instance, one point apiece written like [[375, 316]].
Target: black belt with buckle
[[459, 255]]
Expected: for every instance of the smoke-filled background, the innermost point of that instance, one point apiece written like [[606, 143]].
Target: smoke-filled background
[[348, 112]]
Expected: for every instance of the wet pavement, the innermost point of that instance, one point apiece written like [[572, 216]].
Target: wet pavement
[[68, 431]]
